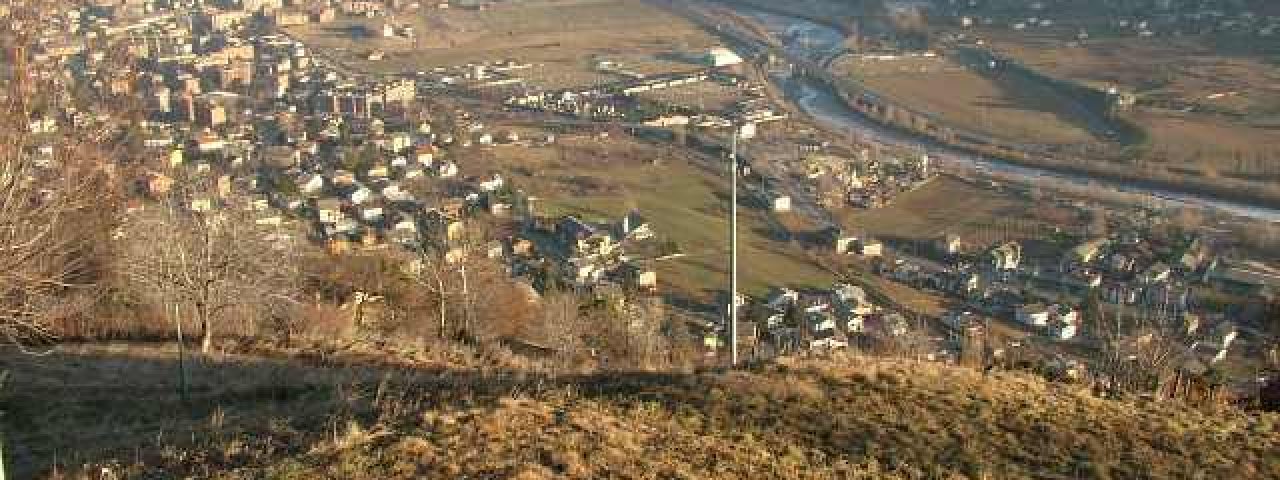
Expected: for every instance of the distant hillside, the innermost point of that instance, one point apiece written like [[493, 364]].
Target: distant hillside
[[847, 417]]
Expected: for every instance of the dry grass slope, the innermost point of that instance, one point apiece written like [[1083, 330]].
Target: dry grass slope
[[845, 417]]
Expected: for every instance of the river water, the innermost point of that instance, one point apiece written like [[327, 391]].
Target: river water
[[820, 43]]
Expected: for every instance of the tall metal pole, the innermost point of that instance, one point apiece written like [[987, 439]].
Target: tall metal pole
[[733, 249], [466, 301], [182, 357]]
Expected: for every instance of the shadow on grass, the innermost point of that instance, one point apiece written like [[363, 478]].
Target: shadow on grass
[[76, 410]]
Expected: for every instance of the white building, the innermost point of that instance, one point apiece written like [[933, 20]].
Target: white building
[[722, 57]]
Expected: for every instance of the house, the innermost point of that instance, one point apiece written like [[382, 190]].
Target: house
[[455, 255], [570, 230], [259, 203], [329, 210], [961, 320], [896, 325], [587, 273], [950, 244], [846, 244], [857, 324], [1064, 313], [641, 276], [312, 184], [1006, 256], [1088, 251], [493, 183], [455, 231], [522, 247], [372, 214], [447, 170], [870, 248], [495, 249], [202, 203], [395, 193], [175, 158], [500, 209], [1157, 273], [780, 203], [1035, 315], [783, 299], [721, 57], [379, 171], [635, 227], [425, 155], [827, 340], [343, 178], [158, 184], [1064, 330], [361, 195]]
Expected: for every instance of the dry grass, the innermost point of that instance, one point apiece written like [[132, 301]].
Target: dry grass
[[686, 201], [1187, 70], [980, 216], [560, 35], [846, 417], [1010, 109]]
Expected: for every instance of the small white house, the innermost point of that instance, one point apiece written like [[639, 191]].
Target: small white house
[[781, 203], [361, 196], [447, 170], [1034, 315], [722, 57], [372, 214], [493, 183], [870, 248]]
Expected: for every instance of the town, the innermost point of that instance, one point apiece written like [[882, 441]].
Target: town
[[240, 115], [577, 200]]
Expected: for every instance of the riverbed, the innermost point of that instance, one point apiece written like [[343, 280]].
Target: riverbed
[[811, 41]]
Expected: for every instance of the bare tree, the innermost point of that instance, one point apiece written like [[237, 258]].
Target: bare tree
[[210, 265], [55, 208], [47, 211]]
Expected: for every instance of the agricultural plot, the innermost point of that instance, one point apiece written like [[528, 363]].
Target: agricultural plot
[[1001, 106], [1206, 112], [600, 180], [981, 217], [560, 35]]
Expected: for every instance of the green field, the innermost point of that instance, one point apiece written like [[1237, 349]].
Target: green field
[[685, 202]]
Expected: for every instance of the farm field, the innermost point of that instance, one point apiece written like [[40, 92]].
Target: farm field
[[980, 216], [1187, 69], [1007, 108], [558, 35], [1206, 112], [1209, 146], [600, 180]]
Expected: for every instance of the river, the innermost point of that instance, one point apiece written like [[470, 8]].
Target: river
[[820, 43]]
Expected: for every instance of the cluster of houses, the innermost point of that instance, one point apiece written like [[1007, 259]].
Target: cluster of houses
[[1139, 17], [822, 320], [621, 100], [868, 180], [241, 119]]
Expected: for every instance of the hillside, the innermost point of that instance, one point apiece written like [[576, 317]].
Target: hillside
[[333, 416]]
